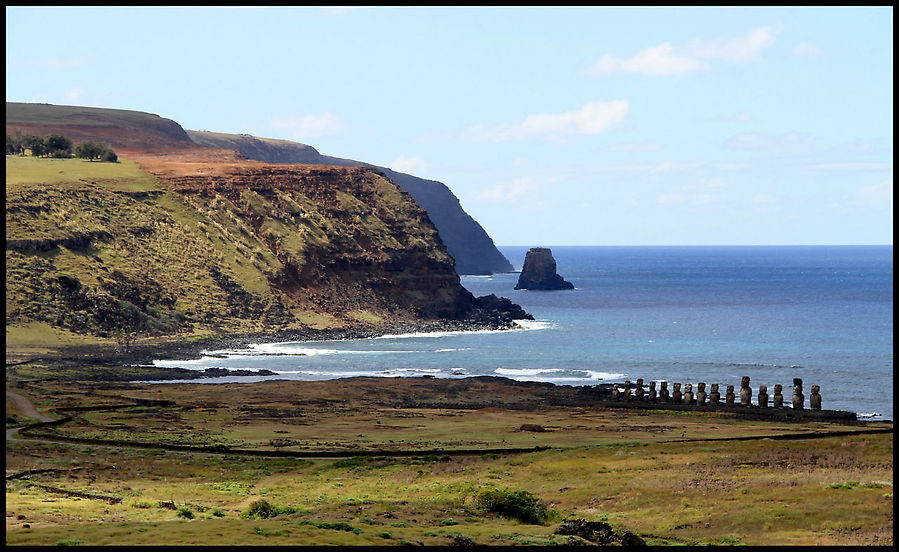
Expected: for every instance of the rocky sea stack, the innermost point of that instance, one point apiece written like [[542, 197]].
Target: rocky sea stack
[[539, 272]]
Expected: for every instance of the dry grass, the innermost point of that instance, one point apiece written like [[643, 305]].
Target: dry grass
[[817, 491]]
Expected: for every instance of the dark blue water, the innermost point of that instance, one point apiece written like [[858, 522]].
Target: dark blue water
[[681, 314]]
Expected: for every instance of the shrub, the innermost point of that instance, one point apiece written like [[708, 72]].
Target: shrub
[[218, 512], [520, 505], [185, 512], [260, 509]]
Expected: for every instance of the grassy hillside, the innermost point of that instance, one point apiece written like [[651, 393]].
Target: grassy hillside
[[98, 248]]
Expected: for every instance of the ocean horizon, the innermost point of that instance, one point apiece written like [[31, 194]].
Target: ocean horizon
[[683, 314]]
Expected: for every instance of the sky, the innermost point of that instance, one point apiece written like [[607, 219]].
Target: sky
[[553, 126]]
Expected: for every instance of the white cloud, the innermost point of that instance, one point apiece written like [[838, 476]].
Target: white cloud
[[742, 48], [703, 192], [74, 94], [765, 199], [593, 118], [651, 146], [806, 50], [791, 142], [409, 165], [668, 166], [656, 61], [667, 60], [309, 126], [850, 166], [55, 62], [337, 10], [521, 191], [877, 196]]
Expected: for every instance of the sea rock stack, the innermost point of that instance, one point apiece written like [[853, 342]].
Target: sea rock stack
[[539, 272]]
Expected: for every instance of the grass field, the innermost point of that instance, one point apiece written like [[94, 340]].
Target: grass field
[[602, 465], [25, 172]]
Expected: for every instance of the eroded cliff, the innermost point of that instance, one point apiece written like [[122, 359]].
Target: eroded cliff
[[184, 244]]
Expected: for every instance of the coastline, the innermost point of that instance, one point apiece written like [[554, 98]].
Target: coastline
[[135, 364]]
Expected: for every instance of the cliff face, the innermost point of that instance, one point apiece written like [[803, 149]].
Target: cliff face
[[222, 247], [465, 239]]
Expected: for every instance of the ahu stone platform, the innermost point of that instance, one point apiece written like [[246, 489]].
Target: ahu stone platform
[[637, 395]]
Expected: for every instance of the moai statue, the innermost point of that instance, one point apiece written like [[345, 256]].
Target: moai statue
[[663, 392], [701, 395], [778, 396], [729, 396], [798, 397], [715, 396], [763, 396], [638, 392], [688, 393], [627, 390], [676, 395], [745, 392], [814, 400], [616, 394], [651, 396]]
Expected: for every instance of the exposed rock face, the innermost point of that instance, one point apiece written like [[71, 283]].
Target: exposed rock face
[[230, 248], [539, 272], [465, 239]]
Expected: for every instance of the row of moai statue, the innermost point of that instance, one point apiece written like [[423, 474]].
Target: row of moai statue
[[714, 396]]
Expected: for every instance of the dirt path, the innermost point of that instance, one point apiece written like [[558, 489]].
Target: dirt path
[[26, 408]]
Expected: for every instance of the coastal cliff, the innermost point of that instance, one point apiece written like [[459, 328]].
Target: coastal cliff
[[465, 239], [166, 244]]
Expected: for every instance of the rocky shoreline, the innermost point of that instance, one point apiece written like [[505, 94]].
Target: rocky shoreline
[[140, 356]]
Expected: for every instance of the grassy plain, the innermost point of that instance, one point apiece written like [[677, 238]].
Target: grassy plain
[[649, 473]]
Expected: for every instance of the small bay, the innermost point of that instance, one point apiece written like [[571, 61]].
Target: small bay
[[682, 314]]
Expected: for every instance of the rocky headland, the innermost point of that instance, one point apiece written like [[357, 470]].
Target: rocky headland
[[539, 272]]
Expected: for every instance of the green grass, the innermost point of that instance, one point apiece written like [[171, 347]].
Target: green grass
[[26, 172]]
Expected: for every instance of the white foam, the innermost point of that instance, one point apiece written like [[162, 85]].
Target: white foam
[[533, 324], [525, 371], [604, 375]]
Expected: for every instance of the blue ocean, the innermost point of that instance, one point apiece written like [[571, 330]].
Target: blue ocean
[[680, 314]]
